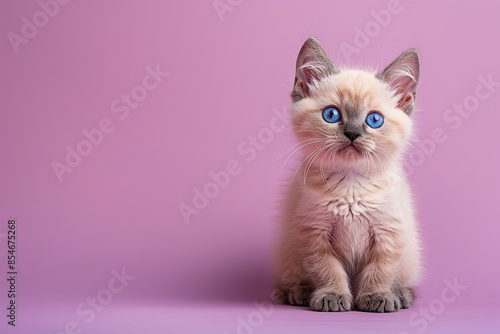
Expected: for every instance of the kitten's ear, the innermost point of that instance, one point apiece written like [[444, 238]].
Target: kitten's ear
[[312, 65], [402, 76]]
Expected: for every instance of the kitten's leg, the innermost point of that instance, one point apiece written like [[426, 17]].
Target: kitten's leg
[[375, 287], [292, 284], [408, 273], [376, 293], [332, 291]]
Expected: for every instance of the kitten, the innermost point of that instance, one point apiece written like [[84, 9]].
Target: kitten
[[348, 236]]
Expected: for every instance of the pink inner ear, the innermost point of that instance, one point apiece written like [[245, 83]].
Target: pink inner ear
[[303, 77], [406, 101], [306, 75]]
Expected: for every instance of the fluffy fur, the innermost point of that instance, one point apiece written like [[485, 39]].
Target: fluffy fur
[[348, 236]]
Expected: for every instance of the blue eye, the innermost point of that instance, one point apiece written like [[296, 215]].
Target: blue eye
[[331, 115], [374, 120]]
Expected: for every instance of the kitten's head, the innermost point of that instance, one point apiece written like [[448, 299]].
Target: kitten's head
[[353, 118]]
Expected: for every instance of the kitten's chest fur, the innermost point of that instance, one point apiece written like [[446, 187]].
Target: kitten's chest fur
[[354, 207]]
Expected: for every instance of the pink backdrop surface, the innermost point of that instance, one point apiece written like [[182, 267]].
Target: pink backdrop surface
[[173, 92]]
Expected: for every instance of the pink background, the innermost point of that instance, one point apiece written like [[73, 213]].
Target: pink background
[[120, 207]]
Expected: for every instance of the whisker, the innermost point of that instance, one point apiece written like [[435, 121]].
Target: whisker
[[290, 148], [327, 155], [311, 161], [304, 160], [297, 149]]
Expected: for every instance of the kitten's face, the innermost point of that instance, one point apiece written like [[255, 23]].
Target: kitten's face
[[352, 118], [354, 94]]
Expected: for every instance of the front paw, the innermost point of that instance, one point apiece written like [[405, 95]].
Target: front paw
[[378, 302], [405, 295], [330, 302], [298, 295]]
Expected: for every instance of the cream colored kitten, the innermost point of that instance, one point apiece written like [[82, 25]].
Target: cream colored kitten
[[348, 233]]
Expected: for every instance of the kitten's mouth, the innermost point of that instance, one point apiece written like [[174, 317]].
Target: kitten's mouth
[[351, 148]]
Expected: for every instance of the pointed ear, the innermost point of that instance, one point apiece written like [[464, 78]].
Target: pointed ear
[[402, 76], [312, 65]]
